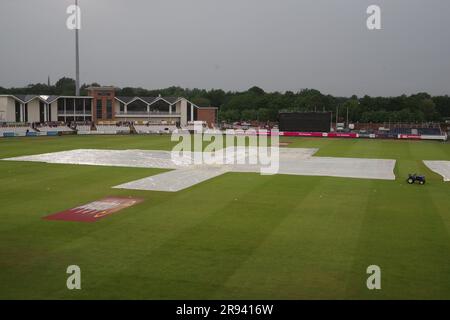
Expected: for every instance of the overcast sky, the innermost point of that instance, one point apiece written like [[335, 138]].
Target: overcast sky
[[232, 44]]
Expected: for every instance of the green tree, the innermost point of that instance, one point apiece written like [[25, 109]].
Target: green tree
[[217, 97], [249, 115], [354, 112], [256, 90], [201, 101], [229, 115], [266, 105], [265, 114], [428, 109], [65, 86], [126, 92]]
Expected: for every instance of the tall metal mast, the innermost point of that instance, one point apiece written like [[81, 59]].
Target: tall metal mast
[[77, 54]]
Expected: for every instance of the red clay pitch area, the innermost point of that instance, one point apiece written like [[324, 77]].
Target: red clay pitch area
[[96, 210]]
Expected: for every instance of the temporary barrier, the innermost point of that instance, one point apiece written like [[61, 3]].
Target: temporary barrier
[[428, 137]]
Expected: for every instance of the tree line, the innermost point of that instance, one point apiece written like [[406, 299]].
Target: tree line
[[256, 104]]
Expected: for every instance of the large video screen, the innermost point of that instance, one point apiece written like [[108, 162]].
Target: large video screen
[[305, 121]]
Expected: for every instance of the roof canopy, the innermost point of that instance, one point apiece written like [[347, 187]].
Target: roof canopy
[[26, 98], [126, 100]]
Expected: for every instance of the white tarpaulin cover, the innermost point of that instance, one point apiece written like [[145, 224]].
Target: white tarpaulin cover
[[292, 161], [175, 180], [341, 167], [440, 167], [114, 158]]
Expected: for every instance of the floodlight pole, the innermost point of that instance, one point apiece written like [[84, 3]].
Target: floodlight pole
[[337, 115], [77, 54], [347, 118]]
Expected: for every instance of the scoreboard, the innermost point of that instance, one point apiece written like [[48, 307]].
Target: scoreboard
[[305, 121]]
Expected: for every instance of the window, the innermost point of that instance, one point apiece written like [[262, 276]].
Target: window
[[70, 107], [49, 115], [189, 106], [79, 106], [104, 94], [18, 111], [137, 106], [41, 112], [26, 112], [160, 106], [99, 109], [109, 113], [87, 106], [61, 109]]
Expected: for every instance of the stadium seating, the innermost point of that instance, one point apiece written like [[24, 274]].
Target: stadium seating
[[430, 131], [112, 129], [417, 131], [84, 127], [54, 127], [145, 129], [16, 130], [397, 131]]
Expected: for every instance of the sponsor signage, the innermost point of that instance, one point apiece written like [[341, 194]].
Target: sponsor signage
[[408, 136], [319, 134]]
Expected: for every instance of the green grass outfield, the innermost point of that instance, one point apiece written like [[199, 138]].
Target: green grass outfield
[[242, 236]]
